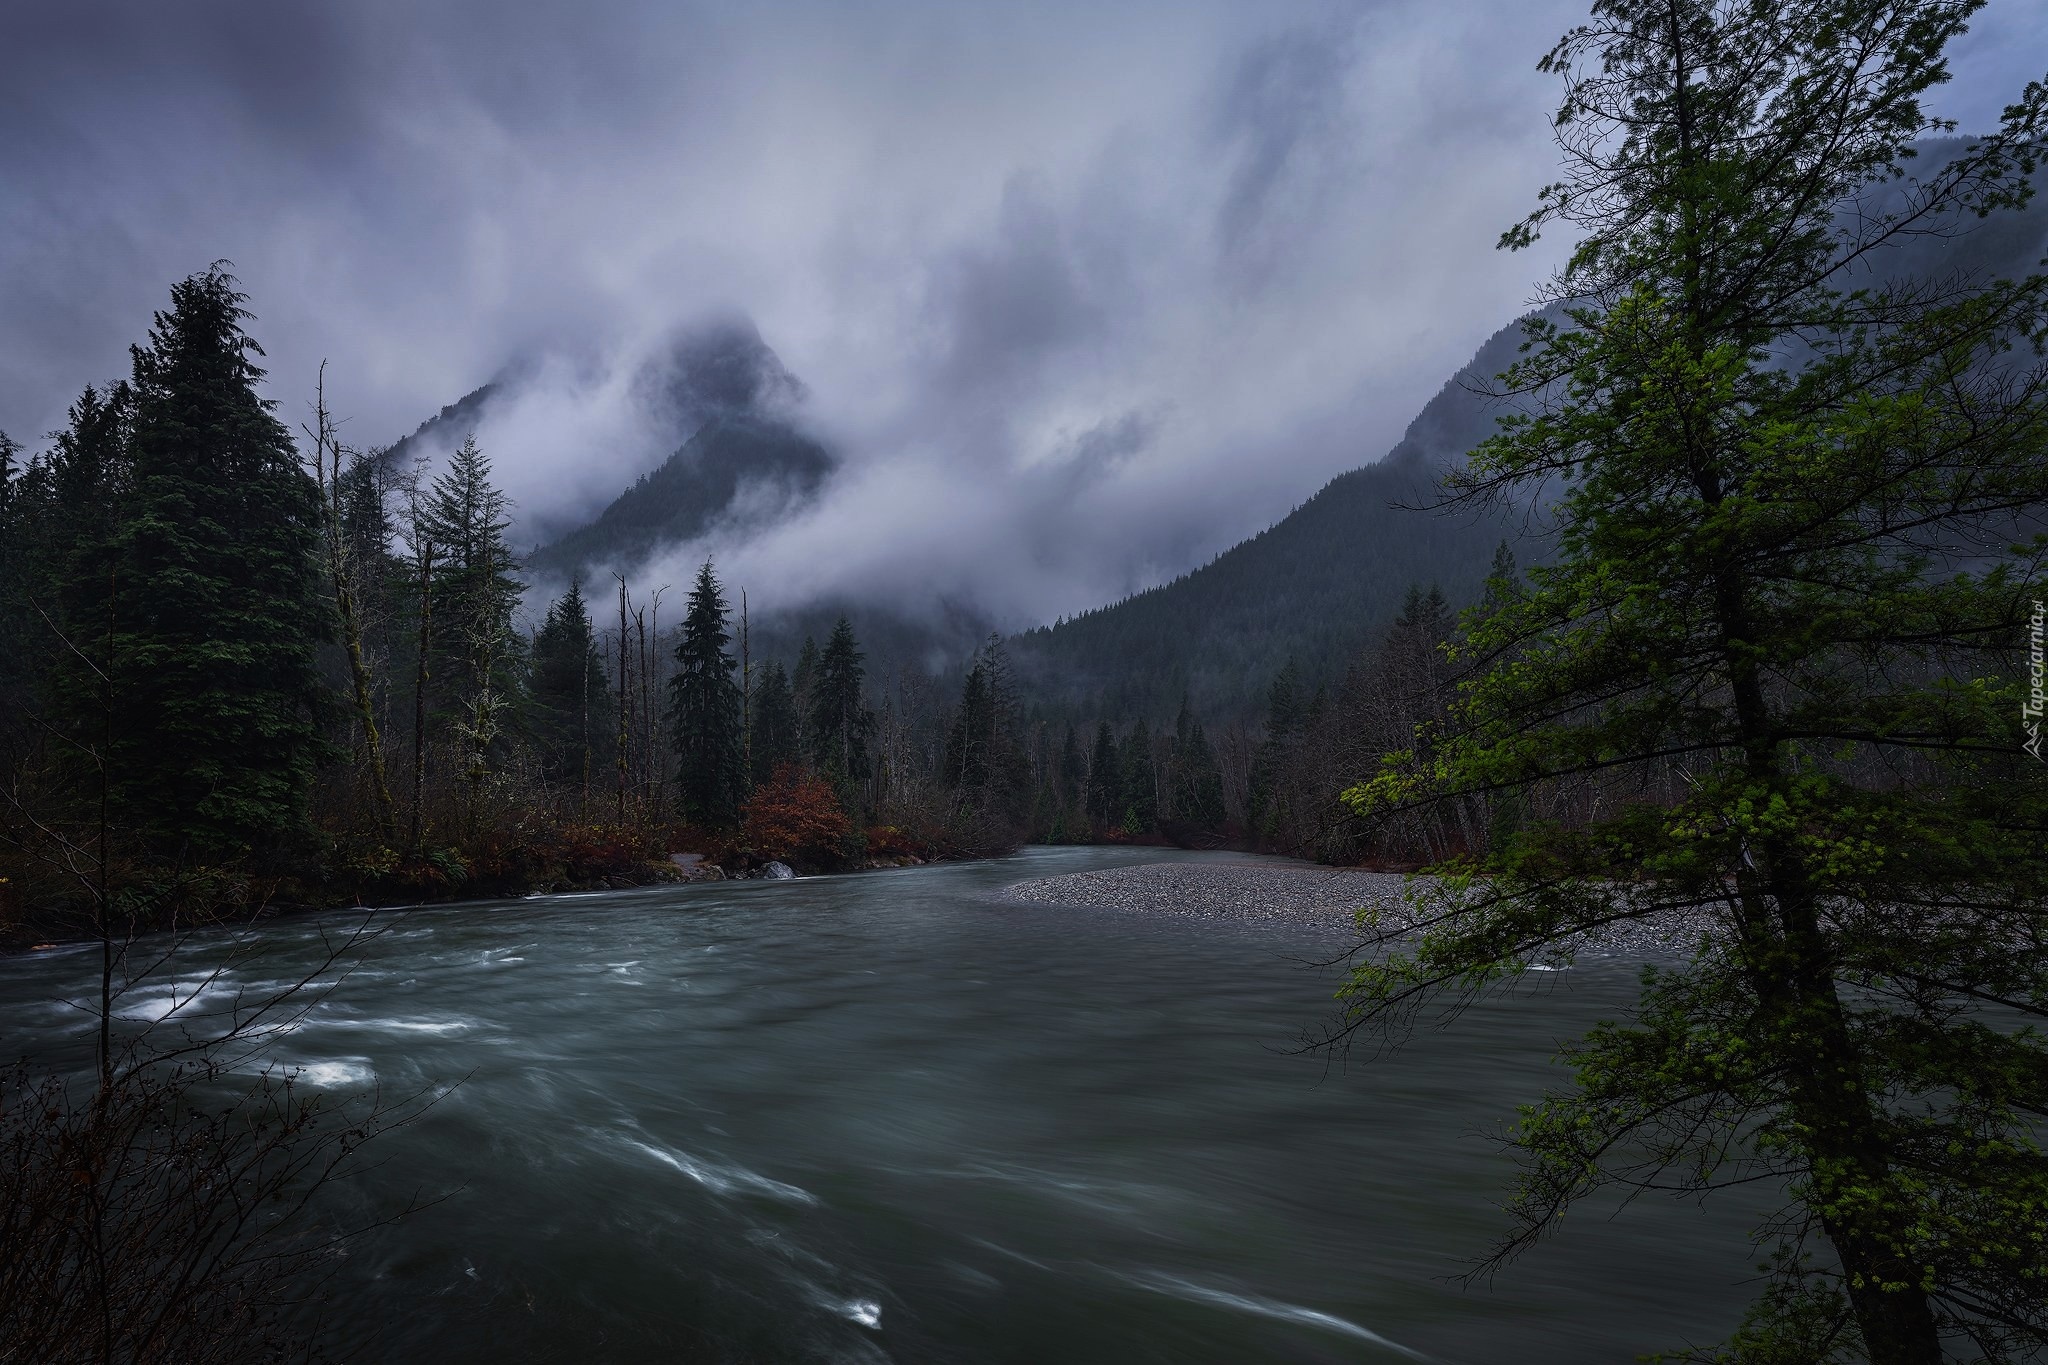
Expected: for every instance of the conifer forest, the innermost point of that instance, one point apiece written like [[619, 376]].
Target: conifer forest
[[1068, 684]]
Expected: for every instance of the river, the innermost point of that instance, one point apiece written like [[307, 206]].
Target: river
[[892, 1117]]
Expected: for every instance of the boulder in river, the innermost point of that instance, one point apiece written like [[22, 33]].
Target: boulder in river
[[776, 872]]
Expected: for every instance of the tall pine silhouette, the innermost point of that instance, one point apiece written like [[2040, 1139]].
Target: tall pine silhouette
[[704, 711], [216, 606], [840, 722]]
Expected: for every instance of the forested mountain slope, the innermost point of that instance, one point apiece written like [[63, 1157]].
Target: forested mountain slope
[[1312, 587], [739, 468]]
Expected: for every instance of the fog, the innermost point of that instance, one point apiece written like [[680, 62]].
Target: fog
[[1079, 295]]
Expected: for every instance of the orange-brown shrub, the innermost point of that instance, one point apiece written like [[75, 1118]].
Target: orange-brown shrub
[[794, 813]]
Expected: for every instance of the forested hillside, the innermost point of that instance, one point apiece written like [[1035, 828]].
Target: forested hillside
[[739, 469], [1313, 588]]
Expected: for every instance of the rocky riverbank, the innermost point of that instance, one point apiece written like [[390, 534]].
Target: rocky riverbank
[[1330, 898], [1248, 891]]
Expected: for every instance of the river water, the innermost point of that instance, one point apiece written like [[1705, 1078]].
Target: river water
[[892, 1117]]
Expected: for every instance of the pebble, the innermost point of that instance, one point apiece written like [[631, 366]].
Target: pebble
[[1252, 892]]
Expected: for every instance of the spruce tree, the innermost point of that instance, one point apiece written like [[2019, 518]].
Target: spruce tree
[[1071, 782], [776, 734], [571, 701], [475, 590], [1197, 780], [1774, 689], [704, 711], [213, 592], [967, 739], [1138, 797], [840, 722], [1105, 780]]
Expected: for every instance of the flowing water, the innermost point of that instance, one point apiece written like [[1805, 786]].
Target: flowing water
[[892, 1117]]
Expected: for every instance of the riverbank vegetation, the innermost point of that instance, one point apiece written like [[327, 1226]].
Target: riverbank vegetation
[[1777, 678]]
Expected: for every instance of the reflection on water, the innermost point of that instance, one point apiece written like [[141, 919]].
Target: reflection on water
[[891, 1117]]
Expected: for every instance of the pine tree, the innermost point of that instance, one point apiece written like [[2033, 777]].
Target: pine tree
[[985, 760], [475, 591], [776, 735], [803, 681], [967, 738], [1138, 797], [704, 711], [1070, 789], [840, 722], [1105, 780], [571, 701], [1268, 806], [1197, 780], [215, 595], [1777, 676]]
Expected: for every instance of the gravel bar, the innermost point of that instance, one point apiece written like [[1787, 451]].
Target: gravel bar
[[1328, 897], [1252, 892]]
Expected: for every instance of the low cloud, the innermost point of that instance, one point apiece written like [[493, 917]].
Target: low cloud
[[1080, 295]]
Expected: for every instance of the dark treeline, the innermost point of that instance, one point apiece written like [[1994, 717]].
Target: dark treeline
[[240, 667], [246, 666]]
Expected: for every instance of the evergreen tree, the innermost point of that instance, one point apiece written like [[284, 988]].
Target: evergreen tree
[[475, 592], [776, 742], [571, 701], [61, 574], [215, 595], [967, 739], [1197, 780], [1783, 645], [985, 760], [704, 711], [840, 722], [1138, 798], [1105, 780], [1070, 786], [1266, 798], [802, 683]]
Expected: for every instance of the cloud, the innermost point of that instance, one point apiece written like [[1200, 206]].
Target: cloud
[[1081, 294]]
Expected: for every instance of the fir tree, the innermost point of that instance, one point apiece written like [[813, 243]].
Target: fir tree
[[704, 711], [1197, 780], [1138, 797], [1105, 780], [802, 684], [1070, 784], [215, 595], [1781, 649], [571, 701], [840, 722], [475, 592], [776, 737]]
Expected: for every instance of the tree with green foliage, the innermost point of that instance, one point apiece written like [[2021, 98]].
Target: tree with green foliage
[[1138, 795], [986, 765], [1196, 780], [776, 742], [705, 711], [571, 698], [1772, 690], [212, 592], [1269, 783], [475, 591], [1105, 781], [1069, 790], [802, 684], [840, 721]]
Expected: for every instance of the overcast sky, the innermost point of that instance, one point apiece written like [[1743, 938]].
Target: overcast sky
[[1082, 292]]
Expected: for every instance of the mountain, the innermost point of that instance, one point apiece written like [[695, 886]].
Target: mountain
[[1332, 575], [719, 398], [740, 468], [1313, 587]]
